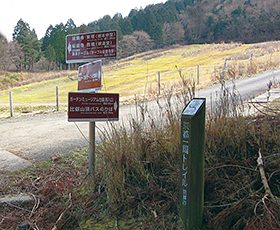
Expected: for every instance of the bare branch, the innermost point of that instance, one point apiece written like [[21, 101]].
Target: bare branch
[[263, 177], [62, 214]]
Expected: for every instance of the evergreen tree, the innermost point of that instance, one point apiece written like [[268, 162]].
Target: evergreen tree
[[57, 41], [29, 43], [46, 38], [50, 55], [70, 27], [116, 22], [137, 19], [125, 26]]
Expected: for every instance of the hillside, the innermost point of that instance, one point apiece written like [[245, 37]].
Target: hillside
[[139, 75], [200, 21], [175, 22], [232, 20]]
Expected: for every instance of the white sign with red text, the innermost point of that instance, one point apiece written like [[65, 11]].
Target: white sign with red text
[[90, 76]]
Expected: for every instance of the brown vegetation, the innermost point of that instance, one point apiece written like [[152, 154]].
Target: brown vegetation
[[136, 182], [14, 79]]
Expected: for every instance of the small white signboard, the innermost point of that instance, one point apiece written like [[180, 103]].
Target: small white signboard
[[193, 107], [90, 76]]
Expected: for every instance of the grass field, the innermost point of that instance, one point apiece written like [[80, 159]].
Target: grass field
[[139, 74]]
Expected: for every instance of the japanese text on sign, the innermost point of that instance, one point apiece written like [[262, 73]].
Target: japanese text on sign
[[85, 47], [91, 99], [93, 107], [185, 153]]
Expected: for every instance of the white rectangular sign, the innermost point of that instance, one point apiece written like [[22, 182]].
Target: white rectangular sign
[[90, 76]]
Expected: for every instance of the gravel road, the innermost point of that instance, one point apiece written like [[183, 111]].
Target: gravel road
[[30, 138]]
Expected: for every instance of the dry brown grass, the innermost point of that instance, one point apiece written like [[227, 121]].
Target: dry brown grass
[[15, 79], [141, 173], [136, 183]]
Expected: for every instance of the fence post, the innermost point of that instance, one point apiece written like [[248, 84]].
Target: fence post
[[198, 69], [11, 104], [251, 64], [56, 95], [158, 83], [136, 106], [211, 104]]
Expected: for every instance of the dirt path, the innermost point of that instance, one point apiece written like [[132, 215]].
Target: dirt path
[[31, 138]]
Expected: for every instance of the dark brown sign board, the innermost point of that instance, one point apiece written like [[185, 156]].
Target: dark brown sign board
[[90, 107], [86, 47]]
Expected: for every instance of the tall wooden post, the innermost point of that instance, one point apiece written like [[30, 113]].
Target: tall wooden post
[[11, 104], [158, 83], [56, 98], [91, 156], [198, 73], [192, 164], [211, 103]]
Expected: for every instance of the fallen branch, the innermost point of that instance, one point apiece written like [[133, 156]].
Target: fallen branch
[[36, 204], [62, 214], [267, 189]]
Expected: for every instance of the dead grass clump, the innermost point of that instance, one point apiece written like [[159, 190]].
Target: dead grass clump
[[138, 169], [235, 70], [15, 79], [139, 166], [235, 196]]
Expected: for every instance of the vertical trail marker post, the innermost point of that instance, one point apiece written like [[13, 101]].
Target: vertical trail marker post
[[191, 196], [89, 105]]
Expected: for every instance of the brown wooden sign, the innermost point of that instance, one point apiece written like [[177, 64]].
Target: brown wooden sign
[[93, 107], [90, 46]]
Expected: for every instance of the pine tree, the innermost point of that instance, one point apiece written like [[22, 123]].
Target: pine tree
[[29, 43]]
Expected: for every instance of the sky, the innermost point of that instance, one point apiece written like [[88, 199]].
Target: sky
[[41, 14]]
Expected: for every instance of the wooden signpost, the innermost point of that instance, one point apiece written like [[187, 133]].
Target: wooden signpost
[[87, 105], [192, 164]]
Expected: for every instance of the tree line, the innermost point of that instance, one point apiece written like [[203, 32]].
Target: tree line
[[155, 26]]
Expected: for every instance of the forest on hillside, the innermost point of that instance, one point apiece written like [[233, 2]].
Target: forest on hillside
[[155, 26]]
